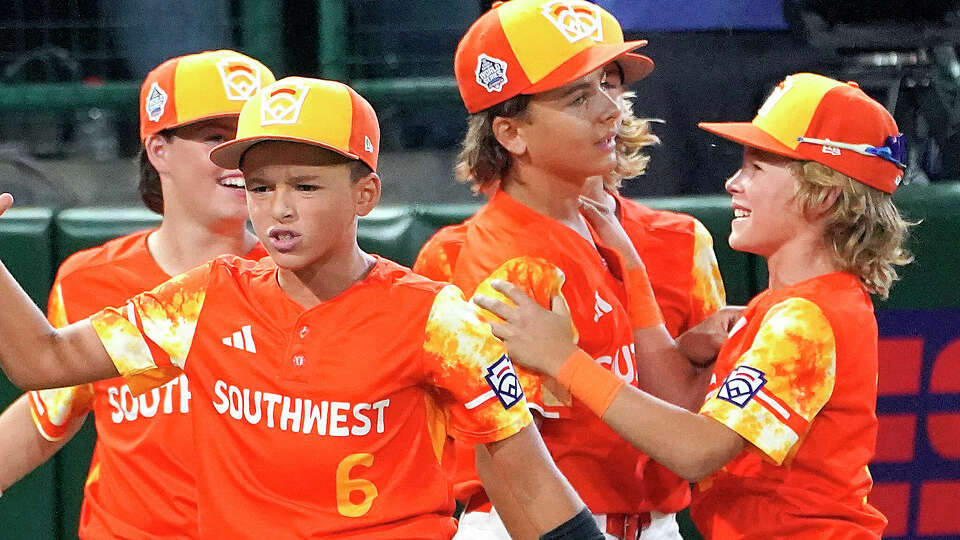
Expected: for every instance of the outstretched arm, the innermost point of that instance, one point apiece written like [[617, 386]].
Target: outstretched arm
[[23, 445], [691, 445], [33, 354]]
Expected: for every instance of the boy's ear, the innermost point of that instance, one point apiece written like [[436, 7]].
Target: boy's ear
[[366, 193], [508, 133], [829, 199], [157, 152]]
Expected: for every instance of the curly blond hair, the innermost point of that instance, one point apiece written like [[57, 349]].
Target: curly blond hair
[[634, 135], [864, 227]]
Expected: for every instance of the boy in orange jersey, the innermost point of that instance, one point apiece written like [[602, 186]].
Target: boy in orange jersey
[[532, 74], [143, 455], [324, 380], [683, 273], [781, 444]]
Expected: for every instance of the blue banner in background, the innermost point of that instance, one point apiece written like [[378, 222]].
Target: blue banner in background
[[682, 15], [916, 469]]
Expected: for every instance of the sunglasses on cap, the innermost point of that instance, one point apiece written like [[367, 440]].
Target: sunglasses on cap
[[894, 148]]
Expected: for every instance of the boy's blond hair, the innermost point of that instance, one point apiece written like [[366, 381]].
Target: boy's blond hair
[[863, 227], [634, 135]]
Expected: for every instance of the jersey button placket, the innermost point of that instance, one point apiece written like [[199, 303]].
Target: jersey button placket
[[297, 367]]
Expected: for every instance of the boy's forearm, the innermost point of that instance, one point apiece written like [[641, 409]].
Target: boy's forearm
[[23, 445], [499, 491], [665, 372], [34, 355], [538, 487]]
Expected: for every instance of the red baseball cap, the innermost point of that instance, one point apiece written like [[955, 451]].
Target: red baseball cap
[[328, 114], [196, 87], [814, 118], [531, 46]]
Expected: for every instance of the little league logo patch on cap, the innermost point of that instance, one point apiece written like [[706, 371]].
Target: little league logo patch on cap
[[575, 19], [241, 79], [156, 102], [503, 380], [491, 73], [282, 105], [741, 385]]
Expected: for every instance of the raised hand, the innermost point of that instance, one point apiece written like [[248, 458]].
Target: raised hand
[[535, 337], [611, 233]]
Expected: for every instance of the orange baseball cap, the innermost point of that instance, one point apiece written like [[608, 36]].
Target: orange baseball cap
[[531, 46], [814, 118], [196, 87], [327, 114]]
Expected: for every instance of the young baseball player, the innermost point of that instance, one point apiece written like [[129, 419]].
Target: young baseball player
[[531, 74], [684, 276], [324, 380], [143, 455], [781, 445]]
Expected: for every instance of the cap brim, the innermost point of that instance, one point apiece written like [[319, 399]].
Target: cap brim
[[143, 136], [229, 154], [634, 66], [595, 57], [750, 135]]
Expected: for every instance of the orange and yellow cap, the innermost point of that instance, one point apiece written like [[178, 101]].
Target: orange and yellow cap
[[531, 46], [808, 112], [322, 113], [197, 87]]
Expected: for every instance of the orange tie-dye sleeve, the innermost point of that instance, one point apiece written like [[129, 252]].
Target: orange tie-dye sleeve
[[707, 294], [148, 339], [53, 409], [481, 391], [541, 280], [780, 384]]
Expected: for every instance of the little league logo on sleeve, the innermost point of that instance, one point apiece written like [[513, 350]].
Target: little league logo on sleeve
[[241, 79], [575, 19], [156, 102], [491, 73], [741, 385], [282, 104], [502, 378]]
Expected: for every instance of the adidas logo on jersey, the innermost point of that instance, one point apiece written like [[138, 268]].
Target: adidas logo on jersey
[[601, 308], [241, 339]]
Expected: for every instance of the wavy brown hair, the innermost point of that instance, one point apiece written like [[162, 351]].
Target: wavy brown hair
[[863, 227], [151, 191], [482, 161]]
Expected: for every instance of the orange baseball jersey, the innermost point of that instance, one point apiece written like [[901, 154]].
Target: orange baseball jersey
[[507, 240], [141, 458], [438, 255], [327, 422], [797, 379], [677, 251]]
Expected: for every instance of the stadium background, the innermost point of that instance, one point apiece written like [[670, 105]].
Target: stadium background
[[70, 72]]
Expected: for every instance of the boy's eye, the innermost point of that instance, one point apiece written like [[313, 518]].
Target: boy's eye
[[307, 187]]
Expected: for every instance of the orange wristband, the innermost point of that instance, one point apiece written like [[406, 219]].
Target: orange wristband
[[641, 303], [589, 382]]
